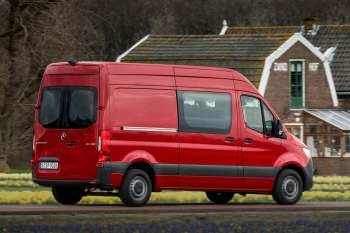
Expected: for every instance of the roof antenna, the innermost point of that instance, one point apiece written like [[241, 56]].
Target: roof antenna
[[72, 62]]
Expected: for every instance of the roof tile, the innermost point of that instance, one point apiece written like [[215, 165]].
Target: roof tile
[[244, 49], [336, 36], [244, 52]]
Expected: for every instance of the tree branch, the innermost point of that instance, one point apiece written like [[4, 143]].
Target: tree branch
[[8, 33]]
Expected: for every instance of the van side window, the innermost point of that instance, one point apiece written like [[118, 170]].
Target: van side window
[[252, 113], [204, 112]]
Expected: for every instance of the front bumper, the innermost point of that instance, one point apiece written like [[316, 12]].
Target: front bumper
[[308, 175]]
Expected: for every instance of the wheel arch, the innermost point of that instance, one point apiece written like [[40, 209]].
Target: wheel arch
[[296, 168], [144, 166]]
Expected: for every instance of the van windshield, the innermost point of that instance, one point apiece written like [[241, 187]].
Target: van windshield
[[68, 107]]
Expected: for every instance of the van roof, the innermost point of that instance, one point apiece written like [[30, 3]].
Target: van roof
[[141, 64], [162, 69], [115, 68]]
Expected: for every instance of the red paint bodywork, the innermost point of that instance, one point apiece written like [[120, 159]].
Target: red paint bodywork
[[125, 89]]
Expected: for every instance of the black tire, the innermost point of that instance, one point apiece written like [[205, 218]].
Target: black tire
[[219, 197], [288, 187], [67, 195], [136, 188]]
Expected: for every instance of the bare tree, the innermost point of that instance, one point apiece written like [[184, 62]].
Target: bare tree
[[40, 33]]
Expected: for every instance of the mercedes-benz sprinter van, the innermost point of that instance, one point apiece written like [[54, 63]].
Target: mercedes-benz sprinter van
[[105, 128]]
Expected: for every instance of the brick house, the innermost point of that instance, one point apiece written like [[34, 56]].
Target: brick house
[[303, 71]]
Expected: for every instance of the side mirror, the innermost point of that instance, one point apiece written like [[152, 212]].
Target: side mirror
[[277, 129]]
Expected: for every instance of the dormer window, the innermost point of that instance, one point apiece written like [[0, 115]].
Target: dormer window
[[296, 74]]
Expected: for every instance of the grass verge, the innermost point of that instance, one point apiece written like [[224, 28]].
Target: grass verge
[[19, 189]]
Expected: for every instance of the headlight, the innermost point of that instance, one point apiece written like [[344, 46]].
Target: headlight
[[307, 152]]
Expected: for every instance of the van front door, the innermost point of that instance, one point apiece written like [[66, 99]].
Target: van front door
[[259, 150], [210, 156]]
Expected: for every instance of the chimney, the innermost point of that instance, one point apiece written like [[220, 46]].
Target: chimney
[[224, 27], [311, 25]]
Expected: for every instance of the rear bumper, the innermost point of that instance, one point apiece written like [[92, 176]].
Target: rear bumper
[[110, 175], [49, 183], [309, 174]]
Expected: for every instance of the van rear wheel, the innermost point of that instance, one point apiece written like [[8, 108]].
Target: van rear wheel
[[67, 195], [136, 188], [219, 197], [288, 187]]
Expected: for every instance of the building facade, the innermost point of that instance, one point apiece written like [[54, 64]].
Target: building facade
[[303, 71]]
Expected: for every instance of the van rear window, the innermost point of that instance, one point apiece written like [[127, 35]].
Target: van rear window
[[51, 107], [68, 107]]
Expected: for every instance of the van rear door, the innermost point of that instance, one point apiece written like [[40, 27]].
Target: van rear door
[[66, 132]]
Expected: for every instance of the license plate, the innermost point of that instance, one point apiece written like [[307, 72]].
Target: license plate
[[48, 165]]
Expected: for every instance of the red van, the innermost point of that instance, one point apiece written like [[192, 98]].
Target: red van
[[105, 128]]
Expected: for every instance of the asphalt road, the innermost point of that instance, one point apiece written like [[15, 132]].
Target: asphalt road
[[171, 208]]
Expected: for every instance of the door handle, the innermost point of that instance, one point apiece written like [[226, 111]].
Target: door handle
[[248, 140], [71, 144], [229, 139]]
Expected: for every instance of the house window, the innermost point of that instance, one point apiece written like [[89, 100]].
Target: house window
[[347, 144], [296, 84]]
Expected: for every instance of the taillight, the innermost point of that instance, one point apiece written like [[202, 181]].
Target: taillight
[[33, 143], [104, 146]]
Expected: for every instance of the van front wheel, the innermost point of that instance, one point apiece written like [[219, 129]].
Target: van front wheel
[[136, 188], [67, 195], [219, 197], [288, 187]]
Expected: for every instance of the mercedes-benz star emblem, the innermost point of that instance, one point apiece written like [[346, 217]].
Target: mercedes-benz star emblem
[[63, 136]]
